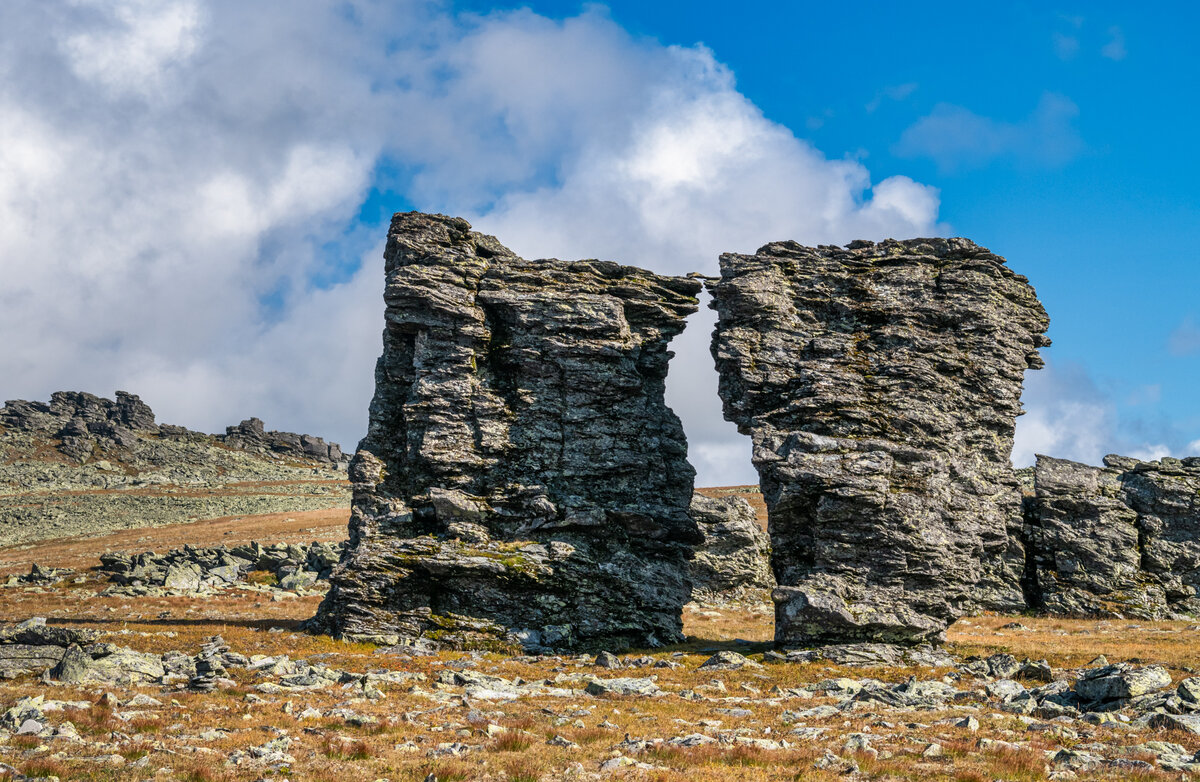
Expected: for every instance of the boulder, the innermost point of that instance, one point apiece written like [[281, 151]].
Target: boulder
[[522, 480], [1120, 682], [735, 553], [880, 384], [1117, 540]]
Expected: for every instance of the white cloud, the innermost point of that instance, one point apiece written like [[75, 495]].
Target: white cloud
[[1192, 448], [1067, 417], [135, 43], [1150, 452], [1115, 48], [956, 138], [1065, 46], [172, 175], [896, 92]]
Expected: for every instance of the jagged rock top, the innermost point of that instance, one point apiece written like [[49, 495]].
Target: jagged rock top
[[498, 324]]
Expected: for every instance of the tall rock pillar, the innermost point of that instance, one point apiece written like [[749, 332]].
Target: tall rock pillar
[[522, 481], [880, 384]]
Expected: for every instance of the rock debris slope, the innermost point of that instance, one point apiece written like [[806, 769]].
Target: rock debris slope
[[880, 384], [1123, 539], [522, 479]]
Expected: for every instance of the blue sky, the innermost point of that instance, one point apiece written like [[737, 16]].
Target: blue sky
[[194, 193]]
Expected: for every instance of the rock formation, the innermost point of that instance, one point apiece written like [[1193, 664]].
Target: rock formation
[[522, 479], [82, 465], [250, 436], [880, 384], [1123, 539], [88, 426], [83, 422], [735, 553]]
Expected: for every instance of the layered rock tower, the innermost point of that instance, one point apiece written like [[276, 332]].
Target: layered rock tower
[[1117, 540], [522, 479], [880, 384]]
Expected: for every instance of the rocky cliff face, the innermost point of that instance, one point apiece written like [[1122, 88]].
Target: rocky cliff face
[[1123, 539], [880, 384], [522, 479]]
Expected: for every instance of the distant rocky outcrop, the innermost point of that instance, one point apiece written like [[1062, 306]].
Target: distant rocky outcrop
[[735, 554], [81, 464], [249, 436], [522, 480], [87, 426], [880, 384], [83, 422], [1122, 539]]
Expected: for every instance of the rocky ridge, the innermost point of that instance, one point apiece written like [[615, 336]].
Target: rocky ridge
[[880, 384], [522, 481], [81, 465]]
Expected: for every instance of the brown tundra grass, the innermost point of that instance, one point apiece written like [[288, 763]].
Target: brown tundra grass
[[404, 744]]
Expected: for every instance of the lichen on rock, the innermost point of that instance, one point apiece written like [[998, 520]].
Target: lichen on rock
[[522, 479], [880, 384]]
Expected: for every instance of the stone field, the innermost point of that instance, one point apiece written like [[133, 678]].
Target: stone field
[[125, 683]]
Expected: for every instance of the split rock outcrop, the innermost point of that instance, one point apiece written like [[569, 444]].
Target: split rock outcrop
[[1122, 539], [522, 480], [880, 384]]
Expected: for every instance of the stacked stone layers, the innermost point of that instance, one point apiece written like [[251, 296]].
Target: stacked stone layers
[[880, 384], [522, 478], [1123, 539]]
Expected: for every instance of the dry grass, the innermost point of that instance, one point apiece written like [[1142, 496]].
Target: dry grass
[[81, 553], [411, 727]]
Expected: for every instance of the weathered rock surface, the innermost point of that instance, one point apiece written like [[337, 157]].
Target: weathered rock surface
[[81, 465], [880, 384], [249, 435], [1123, 539], [735, 553], [192, 569], [85, 427], [522, 479]]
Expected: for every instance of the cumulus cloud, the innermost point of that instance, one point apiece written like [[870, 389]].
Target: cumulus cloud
[[177, 179], [1071, 416], [1067, 416], [957, 138]]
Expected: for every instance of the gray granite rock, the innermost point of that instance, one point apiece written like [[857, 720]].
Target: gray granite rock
[[1117, 540], [1120, 682], [735, 553], [522, 480], [880, 384]]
